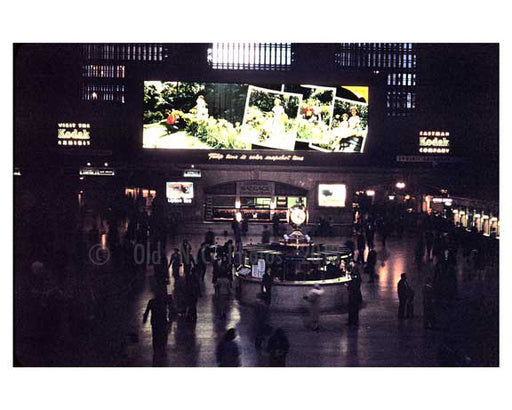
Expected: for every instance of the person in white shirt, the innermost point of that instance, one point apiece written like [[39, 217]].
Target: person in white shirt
[[314, 297]]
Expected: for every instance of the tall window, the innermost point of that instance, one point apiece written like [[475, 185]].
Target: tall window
[[397, 60], [125, 52], [250, 56]]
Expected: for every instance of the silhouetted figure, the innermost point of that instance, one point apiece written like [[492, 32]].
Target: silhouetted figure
[[265, 235], [354, 299], [187, 259], [245, 225], [403, 295], [277, 348], [429, 318], [209, 237], [175, 263], [216, 270], [227, 353], [266, 286], [235, 226], [371, 264], [275, 224], [419, 252], [314, 297], [370, 234], [384, 232], [429, 243], [361, 245], [162, 312], [352, 246], [203, 258], [238, 238], [193, 293], [222, 292]]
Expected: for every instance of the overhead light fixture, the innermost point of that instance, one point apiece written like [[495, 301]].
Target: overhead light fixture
[[400, 185]]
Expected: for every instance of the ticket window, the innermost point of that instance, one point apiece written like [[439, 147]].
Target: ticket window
[[463, 219], [486, 227], [456, 217], [477, 222], [494, 226]]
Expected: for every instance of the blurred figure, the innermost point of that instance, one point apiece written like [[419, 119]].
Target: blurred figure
[[403, 295], [429, 243], [227, 353], [175, 264], [314, 297], [429, 319], [275, 224], [162, 312], [245, 225], [419, 252], [354, 299], [265, 235], [266, 286], [371, 263], [222, 292], [361, 245], [192, 294], [277, 348]]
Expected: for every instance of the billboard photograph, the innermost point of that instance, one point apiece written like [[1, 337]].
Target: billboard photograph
[[232, 116]]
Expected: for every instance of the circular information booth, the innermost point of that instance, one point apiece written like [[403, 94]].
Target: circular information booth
[[295, 269]]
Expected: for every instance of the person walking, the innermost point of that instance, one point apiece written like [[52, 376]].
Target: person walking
[[192, 294], [361, 245], [275, 224], [371, 264], [265, 235], [175, 264], [203, 258], [266, 285], [403, 295], [429, 243], [314, 297], [227, 352], [188, 261], [162, 311], [222, 292], [354, 299], [277, 348]]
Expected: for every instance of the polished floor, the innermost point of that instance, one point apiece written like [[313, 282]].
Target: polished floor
[[467, 334]]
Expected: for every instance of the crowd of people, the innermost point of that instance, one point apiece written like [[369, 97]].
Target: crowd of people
[[440, 247]]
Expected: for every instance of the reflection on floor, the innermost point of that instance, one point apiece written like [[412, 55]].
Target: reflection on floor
[[117, 337]]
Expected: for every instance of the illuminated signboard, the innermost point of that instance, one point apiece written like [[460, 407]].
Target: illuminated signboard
[[446, 201], [229, 116], [73, 134], [192, 173], [332, 195], [434, 142], [180, 192], [93, 171]]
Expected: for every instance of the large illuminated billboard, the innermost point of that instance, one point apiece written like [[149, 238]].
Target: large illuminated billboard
[[186, 115], [332, 195]]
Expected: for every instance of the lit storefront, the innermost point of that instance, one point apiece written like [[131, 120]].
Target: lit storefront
[[255, 201]]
